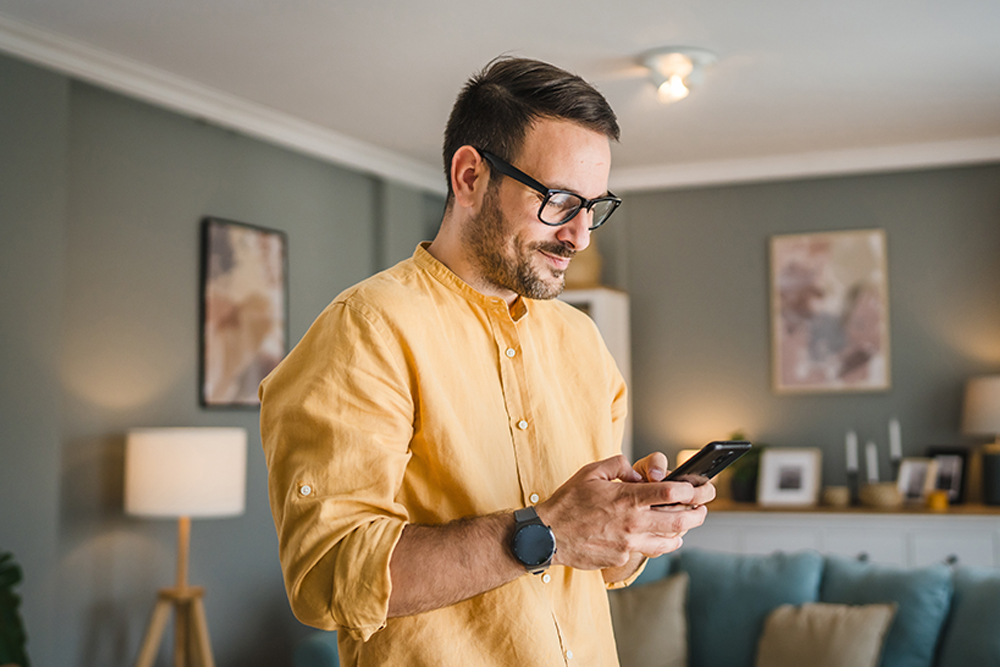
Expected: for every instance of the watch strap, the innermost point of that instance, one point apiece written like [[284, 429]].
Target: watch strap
[[526, 515]]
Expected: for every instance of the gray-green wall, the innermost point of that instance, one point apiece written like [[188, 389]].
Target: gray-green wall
[[100, 202], [698, 276]]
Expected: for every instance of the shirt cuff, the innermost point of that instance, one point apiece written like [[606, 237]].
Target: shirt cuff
[[615, 585]]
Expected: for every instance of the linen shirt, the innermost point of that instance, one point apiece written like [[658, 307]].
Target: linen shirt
[[413, 398]]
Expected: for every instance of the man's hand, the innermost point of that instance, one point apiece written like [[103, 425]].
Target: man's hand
[[599, 521]]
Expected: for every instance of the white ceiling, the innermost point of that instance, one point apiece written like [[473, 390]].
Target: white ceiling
[[800, 86]]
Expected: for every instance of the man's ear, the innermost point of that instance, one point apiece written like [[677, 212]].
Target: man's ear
[[470, 177]]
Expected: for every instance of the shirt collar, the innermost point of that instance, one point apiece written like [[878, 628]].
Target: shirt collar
[[446, 276]]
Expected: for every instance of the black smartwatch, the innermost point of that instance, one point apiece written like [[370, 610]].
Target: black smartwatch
[[533, 543]]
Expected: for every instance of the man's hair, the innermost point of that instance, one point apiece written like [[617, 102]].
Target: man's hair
[[498, 105]]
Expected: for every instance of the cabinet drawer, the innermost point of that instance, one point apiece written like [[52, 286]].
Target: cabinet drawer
[[953, 546], [887, 547]]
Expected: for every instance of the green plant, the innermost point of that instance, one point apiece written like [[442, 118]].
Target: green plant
[[12, 635], [743, 475]]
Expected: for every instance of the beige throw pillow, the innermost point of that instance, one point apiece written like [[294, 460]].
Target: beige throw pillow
[[650, 625], [825, 635]]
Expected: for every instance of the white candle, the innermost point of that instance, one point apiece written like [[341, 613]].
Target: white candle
[[871, 452], [851, 443], [895, 440]]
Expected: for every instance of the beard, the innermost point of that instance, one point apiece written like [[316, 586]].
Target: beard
[[505, 260]]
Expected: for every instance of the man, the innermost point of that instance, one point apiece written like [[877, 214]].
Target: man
[[443, 444]]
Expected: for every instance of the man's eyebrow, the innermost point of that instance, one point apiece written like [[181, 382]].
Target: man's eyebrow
[[560, 186]]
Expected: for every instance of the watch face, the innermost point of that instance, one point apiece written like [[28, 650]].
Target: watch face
[[534, 545]]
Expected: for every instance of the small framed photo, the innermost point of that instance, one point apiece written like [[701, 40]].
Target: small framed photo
[[244, 310], [917, 478], [789, 476], [952, 463]]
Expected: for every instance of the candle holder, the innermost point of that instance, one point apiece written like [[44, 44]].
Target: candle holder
[[881, 495]]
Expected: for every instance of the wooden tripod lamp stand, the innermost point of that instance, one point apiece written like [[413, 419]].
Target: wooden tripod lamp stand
[[180, 473]]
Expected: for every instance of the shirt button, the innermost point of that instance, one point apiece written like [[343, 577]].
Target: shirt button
[[511, 352], [569, 655], [522, 424], [546, 578], [305, 489], [533, 498]]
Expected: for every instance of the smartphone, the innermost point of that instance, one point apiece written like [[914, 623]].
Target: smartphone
[[710, 460]]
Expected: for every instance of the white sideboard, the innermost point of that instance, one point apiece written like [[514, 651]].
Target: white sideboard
[[910, 539]]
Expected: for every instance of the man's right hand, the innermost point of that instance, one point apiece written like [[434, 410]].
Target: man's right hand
[[600, 522]]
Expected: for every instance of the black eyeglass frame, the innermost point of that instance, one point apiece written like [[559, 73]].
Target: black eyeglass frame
[[510, 170]]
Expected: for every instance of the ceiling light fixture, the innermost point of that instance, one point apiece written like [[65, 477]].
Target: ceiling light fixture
[[675, 70]]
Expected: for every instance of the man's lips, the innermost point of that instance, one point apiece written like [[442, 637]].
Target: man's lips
[[560, 262]]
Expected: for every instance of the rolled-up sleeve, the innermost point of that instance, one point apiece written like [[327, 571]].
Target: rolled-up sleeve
[[336, 424]]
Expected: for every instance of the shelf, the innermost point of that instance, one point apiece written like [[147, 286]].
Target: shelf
[[725, 505]]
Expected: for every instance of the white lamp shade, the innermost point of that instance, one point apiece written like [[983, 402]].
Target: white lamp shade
[[982, 406], [195, 472]]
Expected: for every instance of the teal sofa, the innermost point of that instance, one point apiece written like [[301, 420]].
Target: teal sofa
[[945, 616]]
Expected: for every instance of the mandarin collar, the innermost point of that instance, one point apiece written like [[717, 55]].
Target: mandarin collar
[[447, 277]]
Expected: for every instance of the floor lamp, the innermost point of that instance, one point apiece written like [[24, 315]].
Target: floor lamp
[[180, 473]]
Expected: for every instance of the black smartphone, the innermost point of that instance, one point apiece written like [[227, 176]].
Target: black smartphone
[[710, 460]]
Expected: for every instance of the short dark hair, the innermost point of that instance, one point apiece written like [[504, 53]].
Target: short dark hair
[[498, 105]]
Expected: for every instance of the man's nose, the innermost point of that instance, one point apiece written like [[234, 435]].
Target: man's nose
[[576, 232]]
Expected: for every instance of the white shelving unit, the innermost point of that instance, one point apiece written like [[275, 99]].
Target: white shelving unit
[[610, 311]]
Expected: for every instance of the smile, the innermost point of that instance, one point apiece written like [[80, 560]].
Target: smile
[[560, 263]]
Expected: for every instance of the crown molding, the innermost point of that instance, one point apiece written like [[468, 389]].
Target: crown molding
[[808, 165], [187, 97]]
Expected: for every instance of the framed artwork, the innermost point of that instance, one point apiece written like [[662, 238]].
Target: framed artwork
[[952, 463], [244, 310], [917, 478], [789, 476], [830, 312]]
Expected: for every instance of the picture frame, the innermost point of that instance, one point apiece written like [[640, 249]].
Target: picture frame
[[790, 476], [244, 310], [830, 312], [952, 471], [917, 478]]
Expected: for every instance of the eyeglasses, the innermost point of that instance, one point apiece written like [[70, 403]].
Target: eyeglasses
[[558, 206]]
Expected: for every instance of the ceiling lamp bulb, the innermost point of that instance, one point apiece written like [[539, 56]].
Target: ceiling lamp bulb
[[676, 70], [673, 89]]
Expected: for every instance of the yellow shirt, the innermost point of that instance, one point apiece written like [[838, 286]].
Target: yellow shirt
[[414, 398]]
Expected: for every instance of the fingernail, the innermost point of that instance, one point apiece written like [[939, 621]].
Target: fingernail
[[657, 474]]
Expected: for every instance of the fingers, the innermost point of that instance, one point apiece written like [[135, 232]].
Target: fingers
[[616, 467], [663, 493], [675, 522], [703, 494], [653, 468]]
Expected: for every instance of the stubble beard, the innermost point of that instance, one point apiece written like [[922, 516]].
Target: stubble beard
[[487, 237]]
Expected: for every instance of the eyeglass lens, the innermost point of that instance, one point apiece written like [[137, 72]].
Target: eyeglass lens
[[562, 206]]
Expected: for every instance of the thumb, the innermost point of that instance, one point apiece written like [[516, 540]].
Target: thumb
[[616, 467]]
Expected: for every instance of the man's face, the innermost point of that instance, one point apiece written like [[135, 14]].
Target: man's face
[[510, 247]]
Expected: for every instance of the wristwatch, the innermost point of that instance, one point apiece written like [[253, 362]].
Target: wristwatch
[[533, 543]]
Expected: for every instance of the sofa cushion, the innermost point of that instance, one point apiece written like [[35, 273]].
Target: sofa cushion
[[730, 596], [319, 649], [971, 637], [923, 596], [657, 568], [825, 635], [650, 627]]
